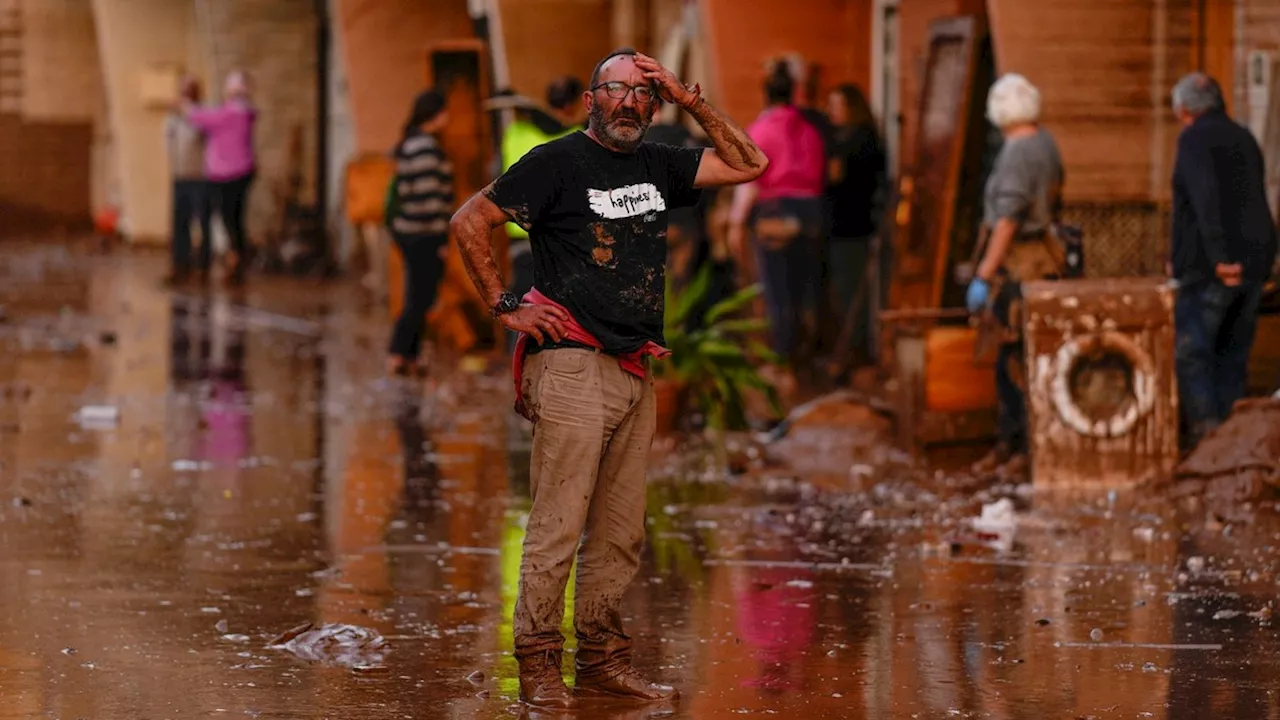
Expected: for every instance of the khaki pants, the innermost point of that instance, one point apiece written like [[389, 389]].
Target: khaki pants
[[595, 425]]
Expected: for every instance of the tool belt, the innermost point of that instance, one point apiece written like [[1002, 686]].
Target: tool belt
[[1042, 256], [775, 225]]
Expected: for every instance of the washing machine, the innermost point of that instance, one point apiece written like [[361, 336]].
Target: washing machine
[[1102, 396]]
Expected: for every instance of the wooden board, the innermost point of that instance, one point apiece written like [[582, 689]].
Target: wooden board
[[931, 190], [1102, 398]]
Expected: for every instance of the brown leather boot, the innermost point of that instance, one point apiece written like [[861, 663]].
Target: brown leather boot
[[541, 683], [628, 684]]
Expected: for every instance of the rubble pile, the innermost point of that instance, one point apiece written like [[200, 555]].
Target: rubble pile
[[1238, 464]]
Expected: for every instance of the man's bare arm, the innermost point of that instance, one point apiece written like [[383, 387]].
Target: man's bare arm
[[473, 226], [736, 158]]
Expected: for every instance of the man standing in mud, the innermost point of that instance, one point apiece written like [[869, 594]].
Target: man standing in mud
[[1222, 250], [595, 204]]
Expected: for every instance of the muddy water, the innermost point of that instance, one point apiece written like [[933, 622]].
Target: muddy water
[[262, 475]]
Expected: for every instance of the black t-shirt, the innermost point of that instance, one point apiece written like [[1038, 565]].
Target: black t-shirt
[[597, 221]]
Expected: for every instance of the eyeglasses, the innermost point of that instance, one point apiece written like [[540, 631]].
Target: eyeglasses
[[618, 90]]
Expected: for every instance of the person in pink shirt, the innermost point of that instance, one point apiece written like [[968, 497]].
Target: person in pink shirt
[[229, 160], [784, 212]]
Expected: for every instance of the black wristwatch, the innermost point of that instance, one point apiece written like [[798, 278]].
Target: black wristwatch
[[507, 303]]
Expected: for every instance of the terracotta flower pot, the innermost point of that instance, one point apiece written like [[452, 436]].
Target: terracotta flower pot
[[669, 395]]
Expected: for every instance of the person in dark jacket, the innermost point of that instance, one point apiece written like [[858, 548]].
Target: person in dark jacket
[[1223, 247], [420, 224], [856, 175]]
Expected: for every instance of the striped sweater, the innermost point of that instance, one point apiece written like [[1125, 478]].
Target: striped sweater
[[424, 187]]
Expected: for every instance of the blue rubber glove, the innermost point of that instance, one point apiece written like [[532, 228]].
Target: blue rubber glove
[[976, 297]]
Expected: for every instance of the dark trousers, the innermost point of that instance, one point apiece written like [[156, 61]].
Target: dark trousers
[[1011, 406], [792, 276], [1011, 402], [848, 262], [423, 270], [1215, 326], [190, 202], [232, 197]]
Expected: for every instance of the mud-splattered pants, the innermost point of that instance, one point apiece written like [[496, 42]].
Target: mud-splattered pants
[[591, 438], [1215, 327]]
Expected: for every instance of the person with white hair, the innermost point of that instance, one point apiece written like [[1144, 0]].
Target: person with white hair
[[1021, 205]]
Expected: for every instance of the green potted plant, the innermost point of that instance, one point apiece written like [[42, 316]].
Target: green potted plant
[[714, 363]]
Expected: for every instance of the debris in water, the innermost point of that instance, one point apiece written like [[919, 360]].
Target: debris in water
[[996, 526], [98, 416], [358, 648], [1226, 614], [221, 626]]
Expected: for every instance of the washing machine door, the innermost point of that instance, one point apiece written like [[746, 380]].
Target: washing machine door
[[1103, 383]]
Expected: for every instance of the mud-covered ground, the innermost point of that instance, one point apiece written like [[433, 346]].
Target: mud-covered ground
[[263, 474]]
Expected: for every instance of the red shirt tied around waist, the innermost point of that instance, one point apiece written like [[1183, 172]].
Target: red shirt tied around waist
[[632, 362]]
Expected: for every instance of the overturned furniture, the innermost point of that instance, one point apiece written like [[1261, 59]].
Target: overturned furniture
[[1101, 394], [944, 391]]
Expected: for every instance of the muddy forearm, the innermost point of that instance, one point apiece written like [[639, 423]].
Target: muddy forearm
[[473, 230], [732, 144]]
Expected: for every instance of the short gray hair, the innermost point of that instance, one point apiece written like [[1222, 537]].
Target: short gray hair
[[1013, 100], [1197, 93]]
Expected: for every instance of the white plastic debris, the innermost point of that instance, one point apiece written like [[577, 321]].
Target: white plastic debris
[[999, 519], [98, 416]]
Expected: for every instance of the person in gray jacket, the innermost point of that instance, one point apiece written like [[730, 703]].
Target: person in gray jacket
[[185, 145]]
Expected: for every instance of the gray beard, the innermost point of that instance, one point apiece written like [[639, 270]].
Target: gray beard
[[604, 132]]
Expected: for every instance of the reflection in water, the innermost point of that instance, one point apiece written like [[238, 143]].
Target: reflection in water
[[264, 474]]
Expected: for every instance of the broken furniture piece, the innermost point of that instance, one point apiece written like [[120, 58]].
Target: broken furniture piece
[[944, 394], [1102, 398]]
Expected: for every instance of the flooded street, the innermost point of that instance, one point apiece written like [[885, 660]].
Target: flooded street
[[263, 473]]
